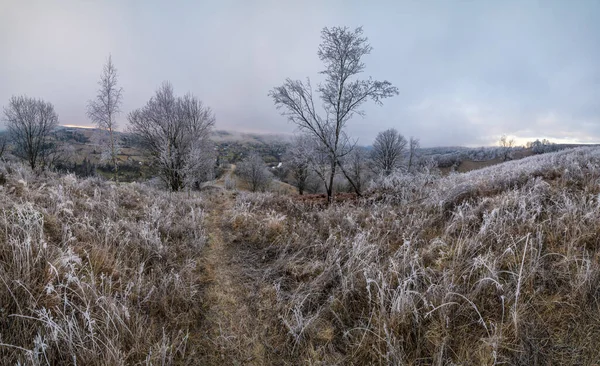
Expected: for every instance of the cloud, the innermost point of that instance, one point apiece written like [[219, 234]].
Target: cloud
[[467, 72]]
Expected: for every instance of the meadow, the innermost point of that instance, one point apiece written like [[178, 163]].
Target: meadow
[[499, 265]]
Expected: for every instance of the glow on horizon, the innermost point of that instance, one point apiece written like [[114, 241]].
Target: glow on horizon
[[521, 141], [79, 126]]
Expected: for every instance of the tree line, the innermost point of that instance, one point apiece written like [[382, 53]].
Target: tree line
[[174, 130]]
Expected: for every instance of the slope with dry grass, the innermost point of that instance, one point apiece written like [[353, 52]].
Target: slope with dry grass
[[97, 274], [495, 266]]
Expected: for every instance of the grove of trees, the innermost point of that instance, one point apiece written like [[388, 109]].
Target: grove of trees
[[174, 131]]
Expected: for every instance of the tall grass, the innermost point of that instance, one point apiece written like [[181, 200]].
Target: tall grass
[[97, 274], [497, 266]]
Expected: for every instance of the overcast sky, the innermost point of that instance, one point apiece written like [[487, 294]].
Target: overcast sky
[[467, 71]]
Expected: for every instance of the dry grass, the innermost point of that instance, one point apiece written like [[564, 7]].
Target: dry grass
[[232, 331], [497, 266], [97, 274], [469, 165]]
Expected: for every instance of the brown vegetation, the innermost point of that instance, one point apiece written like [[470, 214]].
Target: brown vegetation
[[97, 274], [496, 266]]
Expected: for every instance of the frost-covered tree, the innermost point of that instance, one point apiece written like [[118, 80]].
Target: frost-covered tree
[[31, 123], [342, 95], [175, 132], [506, 147], [540, 147], [255, 172], [104, 109], [298, 161], [388, 151], [413, 146], [3, 144], [200, 166], [356, 166]]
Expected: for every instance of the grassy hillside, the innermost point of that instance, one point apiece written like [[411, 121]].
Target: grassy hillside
[[97, 274], [496, 266]]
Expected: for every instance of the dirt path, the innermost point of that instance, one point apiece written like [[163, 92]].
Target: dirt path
[[232, 331]]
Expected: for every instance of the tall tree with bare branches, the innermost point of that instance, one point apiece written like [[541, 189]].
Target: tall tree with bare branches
[[342, 95], [104, 109], [298, 161], [30, 124], [355, 164], [255, 172]]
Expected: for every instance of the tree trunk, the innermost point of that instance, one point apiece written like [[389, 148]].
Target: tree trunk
[[330, 188], [113, 154], [356, 187]]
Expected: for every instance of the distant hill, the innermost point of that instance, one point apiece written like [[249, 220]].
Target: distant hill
[[82, 146], [234, 136]]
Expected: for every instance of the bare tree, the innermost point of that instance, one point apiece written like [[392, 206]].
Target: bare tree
[[413, 145], [254, 171], [105, 108], [341, 50], [3, 144], [304, 168], [298, 160], [175, 131], [30, 124], [355, 165], [200, 166], [506, 146], [388, 151]]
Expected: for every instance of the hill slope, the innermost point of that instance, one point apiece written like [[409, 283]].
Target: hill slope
[[97, 274], [498, 265]]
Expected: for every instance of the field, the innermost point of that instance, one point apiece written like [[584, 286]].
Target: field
[[499, 265]]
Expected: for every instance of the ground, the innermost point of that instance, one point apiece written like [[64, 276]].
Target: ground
[[496, 266], [231, 329]]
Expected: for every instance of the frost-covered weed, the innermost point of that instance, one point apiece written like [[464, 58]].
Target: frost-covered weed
[[95, 273], [496, 266]]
